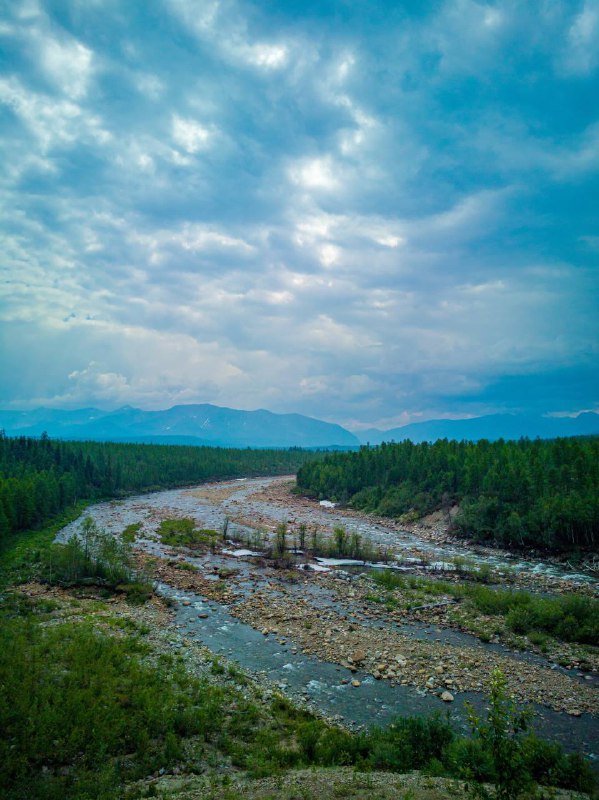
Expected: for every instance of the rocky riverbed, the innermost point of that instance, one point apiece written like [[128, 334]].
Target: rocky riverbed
[[316, 634]]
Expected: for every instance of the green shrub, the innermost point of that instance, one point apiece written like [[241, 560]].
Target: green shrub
[[410, 743], [130, 533], [94, 556], [183, 533], [568, 617], [78, 708]]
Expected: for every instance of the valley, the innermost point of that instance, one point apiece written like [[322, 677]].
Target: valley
[[334, 638]]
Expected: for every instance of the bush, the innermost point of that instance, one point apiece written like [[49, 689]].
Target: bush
[[183, 533], [410, 743], [90, 556], [79, 712], [130, 533]]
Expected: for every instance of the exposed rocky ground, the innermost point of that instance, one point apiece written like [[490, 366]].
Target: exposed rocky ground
[[326, 784], [333, 616]]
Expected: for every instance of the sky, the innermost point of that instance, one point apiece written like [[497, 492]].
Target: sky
[[372, 213]]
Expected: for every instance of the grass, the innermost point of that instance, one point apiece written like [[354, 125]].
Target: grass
[[566, 617], [93, 556], [183, 533], [81, 713], [130, 533]]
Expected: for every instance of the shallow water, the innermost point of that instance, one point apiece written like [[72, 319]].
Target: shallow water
[[317, 681], [399, 542], [320, 682]]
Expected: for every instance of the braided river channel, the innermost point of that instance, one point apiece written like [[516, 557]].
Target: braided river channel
[[295, 629]]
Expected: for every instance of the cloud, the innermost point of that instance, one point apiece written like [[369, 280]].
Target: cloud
[[581, 52], [190, 135], [67, 64], [369, 221]]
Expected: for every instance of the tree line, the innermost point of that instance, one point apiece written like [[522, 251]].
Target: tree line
[[40, 478], [537, 493]]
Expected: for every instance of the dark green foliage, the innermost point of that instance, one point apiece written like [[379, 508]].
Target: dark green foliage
[[542, 494], [130, 533], [410, 743], [501, 737], [504, 753], [183, 533], [21, 553], [40, 478], [80, 712], [94, 556], [83, 712], [569, 617]]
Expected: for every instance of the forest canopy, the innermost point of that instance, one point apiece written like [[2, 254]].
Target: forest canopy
[[517, 494], [39, 478]]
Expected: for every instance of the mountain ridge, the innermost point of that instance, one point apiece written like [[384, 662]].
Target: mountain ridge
[[219, 426], [491, 427], [199, 424]]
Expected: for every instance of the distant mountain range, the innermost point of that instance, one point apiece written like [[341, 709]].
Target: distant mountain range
[[190, 424], [492, 427], [227, 427]]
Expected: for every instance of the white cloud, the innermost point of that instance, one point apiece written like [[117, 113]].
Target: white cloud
[[149, 85], [255, 212], [329, 254], [52, 122], [190, 135], [68, 64], [581, 53], [315, 173], [269, 56]]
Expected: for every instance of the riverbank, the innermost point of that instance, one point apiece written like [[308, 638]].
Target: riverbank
[[297, 647], [250, 597]]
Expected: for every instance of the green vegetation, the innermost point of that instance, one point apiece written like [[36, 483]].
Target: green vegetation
[[541, 494], [84, 712], [86, 707], [505, 754], [183, 533], [130, 533], [567, 617], [340, 545], [41, 478], [94, 556], [81, 714], [22, 550]]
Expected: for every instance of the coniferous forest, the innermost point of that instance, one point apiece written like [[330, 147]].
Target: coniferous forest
[[516, 494], [39, 478]]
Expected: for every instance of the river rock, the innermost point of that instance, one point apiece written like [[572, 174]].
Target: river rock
[[447, 697], [355, 684]]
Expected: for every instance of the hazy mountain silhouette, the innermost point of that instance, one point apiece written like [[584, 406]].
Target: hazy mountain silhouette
[[185, 424], [492, 427]]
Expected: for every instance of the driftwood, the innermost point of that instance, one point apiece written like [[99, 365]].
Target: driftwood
[[590, 565], [435, 605]]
